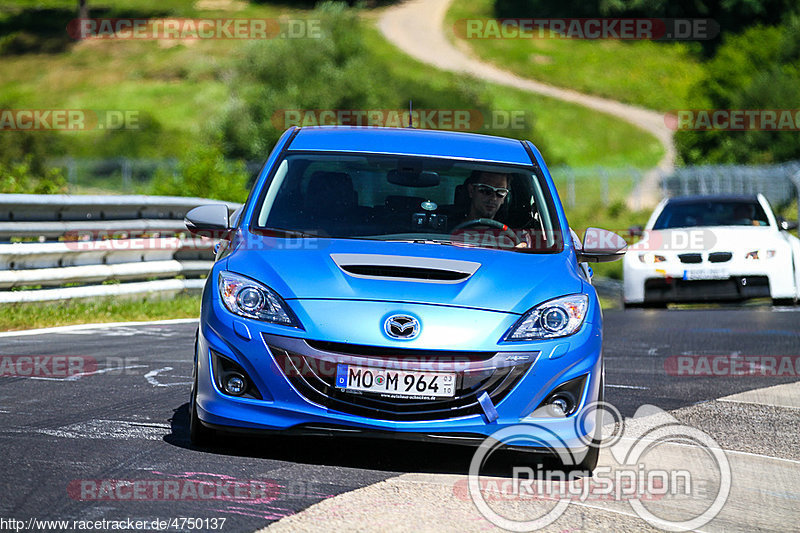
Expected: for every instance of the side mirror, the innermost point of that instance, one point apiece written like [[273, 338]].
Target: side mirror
[[208, 218], [787, 225], [600, 246], [635, 231]]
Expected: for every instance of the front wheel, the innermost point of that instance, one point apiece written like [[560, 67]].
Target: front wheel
[[589, 462], [199, 435]]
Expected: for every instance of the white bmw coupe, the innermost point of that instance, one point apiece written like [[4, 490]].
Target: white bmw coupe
[[713, 249]]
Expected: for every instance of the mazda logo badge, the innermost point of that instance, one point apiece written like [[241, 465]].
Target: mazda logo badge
[[401, 327]]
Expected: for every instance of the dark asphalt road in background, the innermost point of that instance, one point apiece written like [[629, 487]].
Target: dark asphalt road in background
[[128, 421]]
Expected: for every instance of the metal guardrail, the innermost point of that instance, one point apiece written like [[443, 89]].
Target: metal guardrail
[[138, 243]]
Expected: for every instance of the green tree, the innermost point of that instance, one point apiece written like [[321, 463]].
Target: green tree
[[206, 173], [759, 69]]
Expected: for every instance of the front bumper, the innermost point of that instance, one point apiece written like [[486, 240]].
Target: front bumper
[[735, 288], [288, 407], [736, 280]]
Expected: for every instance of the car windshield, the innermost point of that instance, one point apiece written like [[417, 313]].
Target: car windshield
[[711, 213], [418, 199]]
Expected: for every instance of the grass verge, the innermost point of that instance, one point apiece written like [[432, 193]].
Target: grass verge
[[33, 315], [573, 134], [646, 73], [179, 89]]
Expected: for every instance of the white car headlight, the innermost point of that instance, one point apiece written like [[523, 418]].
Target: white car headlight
[[760, 254], [555, 318], [650, 258], [246, 297]]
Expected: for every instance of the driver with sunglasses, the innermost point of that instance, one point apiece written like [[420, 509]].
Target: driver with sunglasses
[[487, 192]]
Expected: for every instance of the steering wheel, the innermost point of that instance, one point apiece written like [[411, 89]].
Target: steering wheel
[[492, 223]]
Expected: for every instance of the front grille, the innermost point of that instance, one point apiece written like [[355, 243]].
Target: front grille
[[341, 348], [403, 272], [719, 257], [314, 377], [690, 258], [713, 290]]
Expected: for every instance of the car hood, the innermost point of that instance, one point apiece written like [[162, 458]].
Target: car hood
[[709, 239], [347, 269]]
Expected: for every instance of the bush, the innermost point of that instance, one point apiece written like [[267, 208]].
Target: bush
[[332, 72], [205, 173], [338, 71], [759, 69], [732, 16], [20, 178]]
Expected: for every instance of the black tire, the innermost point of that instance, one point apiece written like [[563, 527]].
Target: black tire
[[645, 305], [589, 462], [199, 435], [784, 301]]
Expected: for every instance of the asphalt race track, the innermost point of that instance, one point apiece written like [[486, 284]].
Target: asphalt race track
[[125, 420]]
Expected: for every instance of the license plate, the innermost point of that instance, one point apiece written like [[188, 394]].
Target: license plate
[[707, 273], [396, 382]]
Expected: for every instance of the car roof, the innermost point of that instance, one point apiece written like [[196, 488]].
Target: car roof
[[714, 198], [410, 141]]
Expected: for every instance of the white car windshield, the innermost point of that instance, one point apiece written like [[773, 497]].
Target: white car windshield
[[688, 214]]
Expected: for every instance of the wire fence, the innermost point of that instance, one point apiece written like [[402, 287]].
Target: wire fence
[[578, 187]]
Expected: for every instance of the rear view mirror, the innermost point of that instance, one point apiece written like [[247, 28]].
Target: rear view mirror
[[601, 245], [411, 178], [208, 218]]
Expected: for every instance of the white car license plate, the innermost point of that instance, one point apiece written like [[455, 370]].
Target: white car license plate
[[706, 273], [396, 382]]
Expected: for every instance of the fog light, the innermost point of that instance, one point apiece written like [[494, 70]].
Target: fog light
[[561, 403], [235, 385]]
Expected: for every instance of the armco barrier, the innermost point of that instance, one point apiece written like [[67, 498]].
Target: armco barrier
[[138, 243]]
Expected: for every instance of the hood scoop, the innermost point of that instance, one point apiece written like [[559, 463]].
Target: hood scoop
[[404, 268]]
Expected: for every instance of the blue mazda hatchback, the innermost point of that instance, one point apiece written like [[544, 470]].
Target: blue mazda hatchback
[[402, 283]]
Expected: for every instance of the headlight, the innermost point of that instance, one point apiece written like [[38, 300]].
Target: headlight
[[248, 298], [760, 254], [650, 258], [555, 318]]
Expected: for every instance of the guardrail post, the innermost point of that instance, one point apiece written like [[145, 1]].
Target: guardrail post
[[126, 174], [72, 172], [604, 174], [796, 180], [570, 187]]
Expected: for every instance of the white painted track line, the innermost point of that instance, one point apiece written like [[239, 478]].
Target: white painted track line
[[100, 325]]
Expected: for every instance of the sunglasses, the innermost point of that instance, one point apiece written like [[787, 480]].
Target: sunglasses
[[488, 190]]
